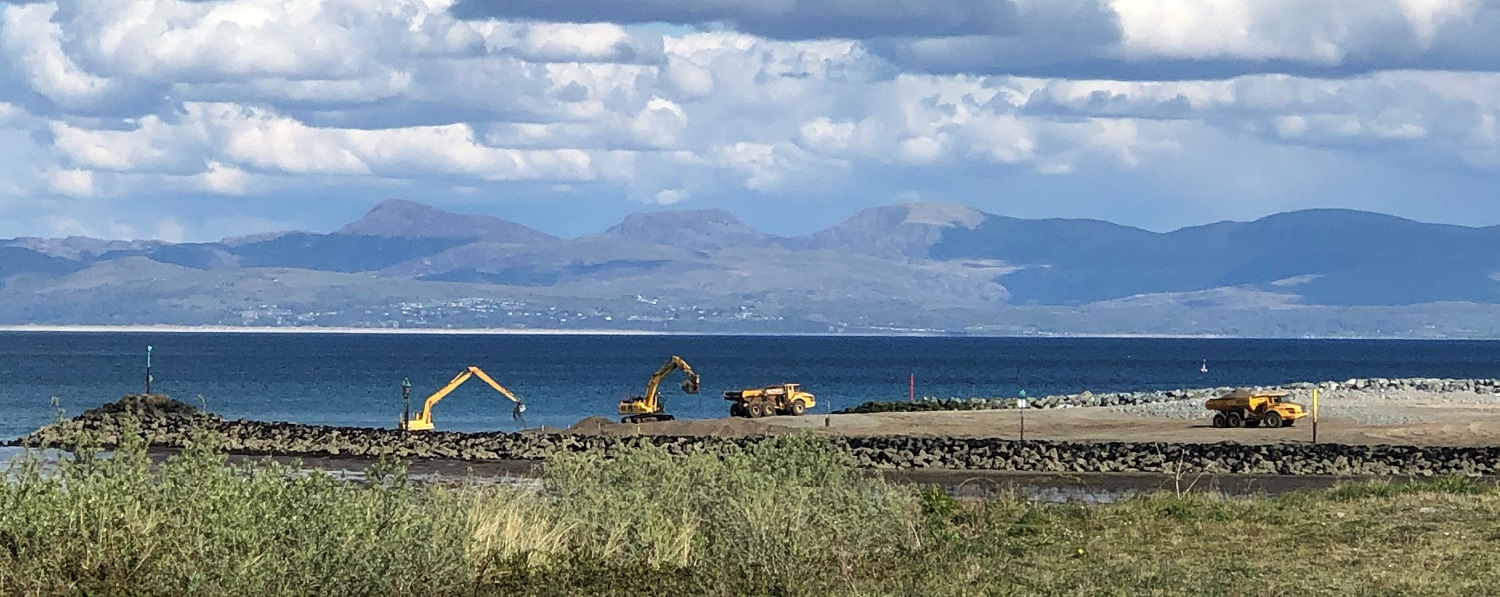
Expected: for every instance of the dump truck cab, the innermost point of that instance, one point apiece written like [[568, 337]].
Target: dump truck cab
[[1247, 408]]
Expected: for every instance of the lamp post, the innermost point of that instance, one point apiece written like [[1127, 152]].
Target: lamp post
[[405, 402]]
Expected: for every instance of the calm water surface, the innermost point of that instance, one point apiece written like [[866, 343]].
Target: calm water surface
[[354, 379]]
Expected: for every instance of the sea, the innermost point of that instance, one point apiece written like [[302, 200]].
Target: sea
[[355, 379]]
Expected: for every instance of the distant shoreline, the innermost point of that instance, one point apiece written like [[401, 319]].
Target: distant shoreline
[[227, 329]]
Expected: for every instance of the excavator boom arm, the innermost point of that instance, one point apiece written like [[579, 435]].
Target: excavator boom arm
[[498, 388], [437, 396], [453, 384], [689, 385]]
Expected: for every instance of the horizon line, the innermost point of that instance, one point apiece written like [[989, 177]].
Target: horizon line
[[737, 219], [353, 330]]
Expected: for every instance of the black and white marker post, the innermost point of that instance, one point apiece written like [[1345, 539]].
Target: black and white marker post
[[148, 369]]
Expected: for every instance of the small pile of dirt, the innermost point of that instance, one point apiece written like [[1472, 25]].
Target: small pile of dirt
[[725, 427], [592, 424], [146, 406]]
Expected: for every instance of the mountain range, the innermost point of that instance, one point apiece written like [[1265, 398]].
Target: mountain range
[[915, 267]]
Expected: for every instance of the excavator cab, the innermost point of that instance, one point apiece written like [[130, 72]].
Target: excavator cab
[[423, 421], [649, 407]]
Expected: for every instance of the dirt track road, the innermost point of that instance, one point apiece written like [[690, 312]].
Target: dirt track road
[[1413, 418]]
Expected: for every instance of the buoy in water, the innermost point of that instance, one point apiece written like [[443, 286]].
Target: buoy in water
[[1204, 368]]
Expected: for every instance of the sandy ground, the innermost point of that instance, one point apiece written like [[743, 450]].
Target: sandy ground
[[1349, 417]]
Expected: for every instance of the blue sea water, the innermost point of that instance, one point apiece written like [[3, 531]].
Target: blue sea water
[[354, 379]]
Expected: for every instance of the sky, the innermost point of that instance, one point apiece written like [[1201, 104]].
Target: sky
[[198, 120]]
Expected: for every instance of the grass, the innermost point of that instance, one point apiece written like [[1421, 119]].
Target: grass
[[788, 517]]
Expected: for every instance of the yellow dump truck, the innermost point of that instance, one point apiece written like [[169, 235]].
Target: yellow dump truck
[[1246, 408], [780, 399]]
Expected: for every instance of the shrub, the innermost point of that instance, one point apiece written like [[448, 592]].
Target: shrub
[[763, 515]]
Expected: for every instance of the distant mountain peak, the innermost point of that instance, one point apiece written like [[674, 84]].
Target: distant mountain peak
[[907, 229], [400, 218], [695, 228], [684, 216], [942, 213], [393, 217], [235, 241]]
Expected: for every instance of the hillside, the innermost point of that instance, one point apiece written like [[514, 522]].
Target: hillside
[[934, 267]]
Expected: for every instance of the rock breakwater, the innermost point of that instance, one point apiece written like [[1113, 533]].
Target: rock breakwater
[[173, 427], [1091, 399]]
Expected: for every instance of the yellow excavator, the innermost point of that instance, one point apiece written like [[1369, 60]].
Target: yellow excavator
[[639, 409], [423, 422]]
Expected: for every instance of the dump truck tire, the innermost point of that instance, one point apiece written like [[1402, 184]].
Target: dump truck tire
[[756, 411], [1220, 420], [798, 407], [1272, 420], [1234, 419]]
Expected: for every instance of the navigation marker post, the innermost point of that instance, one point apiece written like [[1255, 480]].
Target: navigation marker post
[[148, 368], [1021, 404], [1315, 415], [911, 395]]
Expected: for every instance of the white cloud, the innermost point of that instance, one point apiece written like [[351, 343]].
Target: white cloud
[[263, 140], [235, 102], [659, 124], [177, 40], [224, 180], [670, 196], [1446, 114], [1321, 33], [560, 42], [687, 78], [31, 42], [71, 182], [1166, 38], [12, 116], [780, 19], [170, 230]]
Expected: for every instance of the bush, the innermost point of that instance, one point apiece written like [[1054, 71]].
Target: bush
[[785, 517], [194, 524], [758, 519], [764, 516]]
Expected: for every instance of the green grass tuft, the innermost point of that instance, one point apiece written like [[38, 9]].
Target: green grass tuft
[[789, 517]]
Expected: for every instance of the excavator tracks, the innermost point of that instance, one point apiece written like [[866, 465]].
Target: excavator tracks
[[647, 418]]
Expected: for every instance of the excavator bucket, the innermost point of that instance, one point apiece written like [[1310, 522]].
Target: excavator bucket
[[690, 385]]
